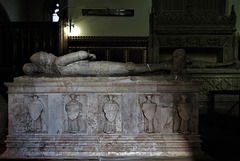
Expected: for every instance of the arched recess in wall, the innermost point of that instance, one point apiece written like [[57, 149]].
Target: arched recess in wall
[[48, 10], [3, 15]]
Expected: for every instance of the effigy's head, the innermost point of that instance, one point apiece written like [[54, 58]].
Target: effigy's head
[[42, 58], [41, 63]]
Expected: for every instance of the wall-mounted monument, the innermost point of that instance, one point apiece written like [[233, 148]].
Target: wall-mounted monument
[[71, 107]]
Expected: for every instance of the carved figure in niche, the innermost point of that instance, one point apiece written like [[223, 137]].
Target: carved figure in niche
[[35, 109], [78, 63], [73, 109], [149, 109], [110, 110], [184, 110]]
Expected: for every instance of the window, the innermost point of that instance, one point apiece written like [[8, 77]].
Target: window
[[55, 17]]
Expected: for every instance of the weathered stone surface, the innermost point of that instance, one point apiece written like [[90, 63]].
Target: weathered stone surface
[[91, 117]]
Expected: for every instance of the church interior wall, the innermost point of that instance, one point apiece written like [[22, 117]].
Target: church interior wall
[[23, 10], [137, 25], [15, 9]]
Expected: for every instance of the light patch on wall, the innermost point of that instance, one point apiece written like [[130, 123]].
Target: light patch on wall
[[73, 31], [137, 25]]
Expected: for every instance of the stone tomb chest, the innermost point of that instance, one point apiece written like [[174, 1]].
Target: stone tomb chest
[[92, 117]]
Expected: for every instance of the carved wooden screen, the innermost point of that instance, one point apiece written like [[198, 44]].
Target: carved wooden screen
[[160, 5], [201, 27], [112, 48], [219, 6], [200, 5]]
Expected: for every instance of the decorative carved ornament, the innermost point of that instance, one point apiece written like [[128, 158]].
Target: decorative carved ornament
[[212, 83], [35, 108], [149, 109], [73, 109], [193, 41], [184, 110]]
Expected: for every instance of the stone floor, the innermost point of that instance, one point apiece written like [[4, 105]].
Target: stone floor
[[122, 159], [220, 136]]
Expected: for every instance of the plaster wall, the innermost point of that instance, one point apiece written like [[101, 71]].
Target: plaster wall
[[138, 25]]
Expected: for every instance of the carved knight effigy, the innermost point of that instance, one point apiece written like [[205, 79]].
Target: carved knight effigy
[[95, 109], [79, 63]]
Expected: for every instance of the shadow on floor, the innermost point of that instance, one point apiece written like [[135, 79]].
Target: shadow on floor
[[220, 136]]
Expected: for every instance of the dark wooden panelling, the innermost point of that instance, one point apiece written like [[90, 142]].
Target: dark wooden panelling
[[112, 48], [18, 41]]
